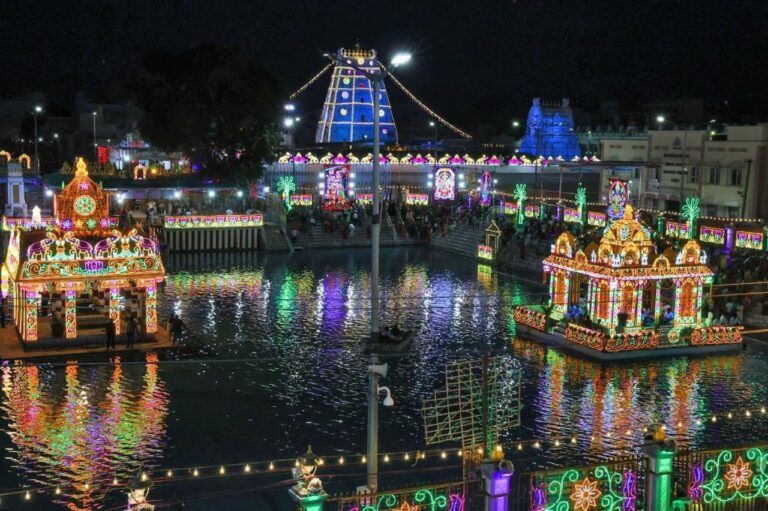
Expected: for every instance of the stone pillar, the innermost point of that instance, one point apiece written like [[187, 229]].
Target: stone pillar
[[70, 313], [496, 479], [29, 321], [660, 458]]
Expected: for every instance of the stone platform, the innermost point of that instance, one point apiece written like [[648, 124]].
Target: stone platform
[[88, 342]]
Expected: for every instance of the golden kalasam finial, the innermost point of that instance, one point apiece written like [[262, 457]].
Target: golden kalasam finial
[[629, 213], [82, 168]]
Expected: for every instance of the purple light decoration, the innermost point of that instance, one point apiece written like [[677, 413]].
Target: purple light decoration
[[629, 489], [339, 159], [499, 490], [539, 497], [104, 222], [694, 490], [299, 159], [456, 502], [456, 160], [84, 185], [66, 224], [515, 161], [418, 160], [559, 213], [493, 161], [383, 159], [728, 240], [94, 265]]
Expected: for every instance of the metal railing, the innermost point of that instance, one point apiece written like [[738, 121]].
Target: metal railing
[[436, 497]]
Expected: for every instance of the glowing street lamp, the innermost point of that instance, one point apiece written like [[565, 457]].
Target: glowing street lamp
[[400, 59], [288, 122], [38, 110]]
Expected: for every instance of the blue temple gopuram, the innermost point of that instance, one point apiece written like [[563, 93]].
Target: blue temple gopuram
[[549, 131], [348, 110]]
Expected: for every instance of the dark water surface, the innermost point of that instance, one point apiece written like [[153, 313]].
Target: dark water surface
[[290, 370]]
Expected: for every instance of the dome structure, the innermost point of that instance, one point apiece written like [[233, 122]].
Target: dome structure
[[82, 207]]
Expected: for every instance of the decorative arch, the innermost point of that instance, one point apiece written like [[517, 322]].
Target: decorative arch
[[25, 161], [691, 252], [139, 168], [7, 155], [565, 245]]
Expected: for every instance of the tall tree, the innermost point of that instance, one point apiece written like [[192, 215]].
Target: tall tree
[[215, 105]]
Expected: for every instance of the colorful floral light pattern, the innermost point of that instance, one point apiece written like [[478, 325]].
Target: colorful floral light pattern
[[304, 200], [596, 219], [714, 235], [151, 308], [725, 480], [603, 488], [114, 307], [585, 495], [30, 319], [738, 474], [286, 185], [70, 311]]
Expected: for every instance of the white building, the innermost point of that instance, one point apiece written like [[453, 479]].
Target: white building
[[728, 170]]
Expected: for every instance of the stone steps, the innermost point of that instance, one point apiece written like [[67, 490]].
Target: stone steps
[[462, 239], [275, 240]]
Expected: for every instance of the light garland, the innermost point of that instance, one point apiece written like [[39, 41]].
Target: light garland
[[429, 111], [311, 81], [213, 221]]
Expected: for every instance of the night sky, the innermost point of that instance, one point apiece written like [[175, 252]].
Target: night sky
[[473, 61]]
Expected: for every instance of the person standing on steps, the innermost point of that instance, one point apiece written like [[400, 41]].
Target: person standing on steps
[[110, 328], [132, 331]]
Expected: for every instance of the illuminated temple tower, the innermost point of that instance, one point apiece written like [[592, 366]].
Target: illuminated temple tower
[[348, 110], [549, 131]]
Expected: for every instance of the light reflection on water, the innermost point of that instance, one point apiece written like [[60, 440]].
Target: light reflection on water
[[82, 427], [303, 319]]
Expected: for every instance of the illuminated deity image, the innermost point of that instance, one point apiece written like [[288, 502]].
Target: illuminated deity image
[[617, 198], [486, 185], [336, 187], [445, 183]]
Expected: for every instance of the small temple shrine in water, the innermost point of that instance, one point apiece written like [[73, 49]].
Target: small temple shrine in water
[[82, 272], [620, 295]]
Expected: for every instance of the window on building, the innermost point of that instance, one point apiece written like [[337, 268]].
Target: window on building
[[711, 209], [714, 175], [735, 177], [733, 211], [693, 175]]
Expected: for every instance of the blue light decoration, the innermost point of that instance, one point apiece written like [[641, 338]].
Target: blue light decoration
[[549, 131], [486, 188], [348, 109], [335, 195], [617, 198], [445, 184]]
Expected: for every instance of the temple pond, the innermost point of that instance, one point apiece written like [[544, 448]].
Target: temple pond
[[290, 370]]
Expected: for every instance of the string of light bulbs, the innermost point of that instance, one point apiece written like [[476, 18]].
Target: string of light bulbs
[[311, 81], [166, 475], [428, 110]]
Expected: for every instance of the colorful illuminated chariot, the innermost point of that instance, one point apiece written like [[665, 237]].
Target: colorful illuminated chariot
[[621, 296], [80, 273]]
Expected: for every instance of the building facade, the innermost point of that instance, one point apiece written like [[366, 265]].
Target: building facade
[[727, 170], [549, 131]]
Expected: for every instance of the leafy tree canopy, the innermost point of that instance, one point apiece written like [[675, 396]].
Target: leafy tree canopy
[[215, 105]]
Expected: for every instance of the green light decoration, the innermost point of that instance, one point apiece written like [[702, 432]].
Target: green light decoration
[[520, 196], [604, 489], [727, 479], [691, 212], [581, 202], [285, 186], [422, 499]]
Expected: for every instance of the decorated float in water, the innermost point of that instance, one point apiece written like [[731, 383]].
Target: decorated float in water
[[620, 299], [68, 280]]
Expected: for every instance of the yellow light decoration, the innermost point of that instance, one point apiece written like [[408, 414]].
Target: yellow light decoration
[[585, 495]]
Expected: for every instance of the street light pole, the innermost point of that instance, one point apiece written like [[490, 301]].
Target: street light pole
[[38, 109], [377, 77], [95, 147]]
